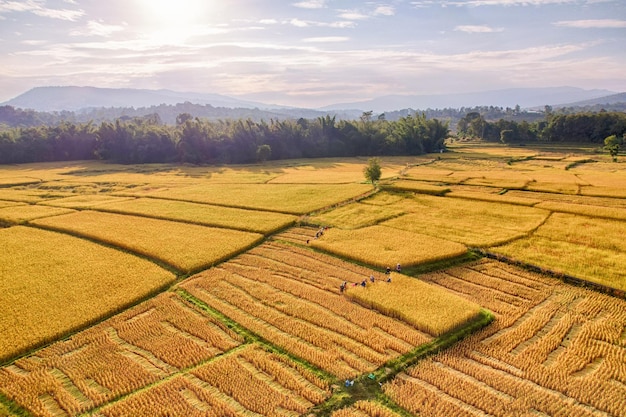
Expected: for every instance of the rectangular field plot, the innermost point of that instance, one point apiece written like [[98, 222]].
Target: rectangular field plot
[[356, 215], [585, 247], [387, 246], [85, 201], [248, 381], [186, 247], [286, 198], [204, 214], [473, 223], [556, 350], [150, 342], [22, 213], [413, 301], [51, 284], [416, 186], [290, 297]]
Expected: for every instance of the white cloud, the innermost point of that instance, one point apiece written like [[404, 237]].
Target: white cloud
[[352, 15], [477, 3], [268, 21], [385, 10], [593, 24], [477, 29], [97, 28], [311, 4], [327, 39], [38, 8], [309, 23]]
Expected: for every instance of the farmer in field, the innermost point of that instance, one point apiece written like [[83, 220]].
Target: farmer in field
[[342, 287], [398, 268], [372, 278], [388, 271]]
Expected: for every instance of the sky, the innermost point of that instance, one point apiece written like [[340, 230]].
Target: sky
[[312, 53]]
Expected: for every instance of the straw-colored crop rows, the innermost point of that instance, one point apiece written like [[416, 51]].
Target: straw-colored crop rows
[[286, 198], [413, 301], [51, 284], [386, 246], [365, 409], [141, 346], [556, 350], [249, 381], [290, 297], [185, 246], [203, 214]]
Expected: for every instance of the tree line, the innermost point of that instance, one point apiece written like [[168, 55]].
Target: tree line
[[554, 127], [199, 141]]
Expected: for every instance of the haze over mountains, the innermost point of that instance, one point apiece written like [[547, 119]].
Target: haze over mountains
[[73, 98]]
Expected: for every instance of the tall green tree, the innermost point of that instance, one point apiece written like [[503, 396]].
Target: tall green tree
[[373, 170]]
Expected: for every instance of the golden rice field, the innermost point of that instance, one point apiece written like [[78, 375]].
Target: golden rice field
[[203, 214], [21, 213], [85, 201], [290, 296], [383, 246], [421, 187], [552, 350], [284, 198], [470, 222], [210, 346], [415, 302], [365, 409], [53, 283], [186, 247], [357, 215], [585, 247], [146, 344]]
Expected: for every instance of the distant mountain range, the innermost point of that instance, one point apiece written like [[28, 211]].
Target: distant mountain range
[[46, 99], [524, 97]]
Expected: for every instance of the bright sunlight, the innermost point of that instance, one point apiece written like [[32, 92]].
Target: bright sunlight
[[174, 20]]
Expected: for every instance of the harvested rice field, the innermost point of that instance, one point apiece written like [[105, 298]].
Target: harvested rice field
[[260, 290]]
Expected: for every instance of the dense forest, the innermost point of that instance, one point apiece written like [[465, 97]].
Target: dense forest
[[197, 140], [194, 140]]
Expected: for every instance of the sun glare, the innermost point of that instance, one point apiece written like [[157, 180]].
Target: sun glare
[[173, 20]]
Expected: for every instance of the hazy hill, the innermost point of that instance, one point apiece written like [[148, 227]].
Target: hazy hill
[[604, 100], [78, 98], [524, 97]]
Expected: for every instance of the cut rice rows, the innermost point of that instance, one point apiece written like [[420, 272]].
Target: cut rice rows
[[553, 350], [290, 297]]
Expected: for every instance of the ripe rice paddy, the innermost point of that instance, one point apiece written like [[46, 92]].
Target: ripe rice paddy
[[217, 216], [285, 198], [552, 348], [51, 283], [186, 247], [23, 213], [386, 246]]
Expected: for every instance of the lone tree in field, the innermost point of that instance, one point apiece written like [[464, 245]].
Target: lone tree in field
[[372, 171], [611, 144], [263, 152]]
